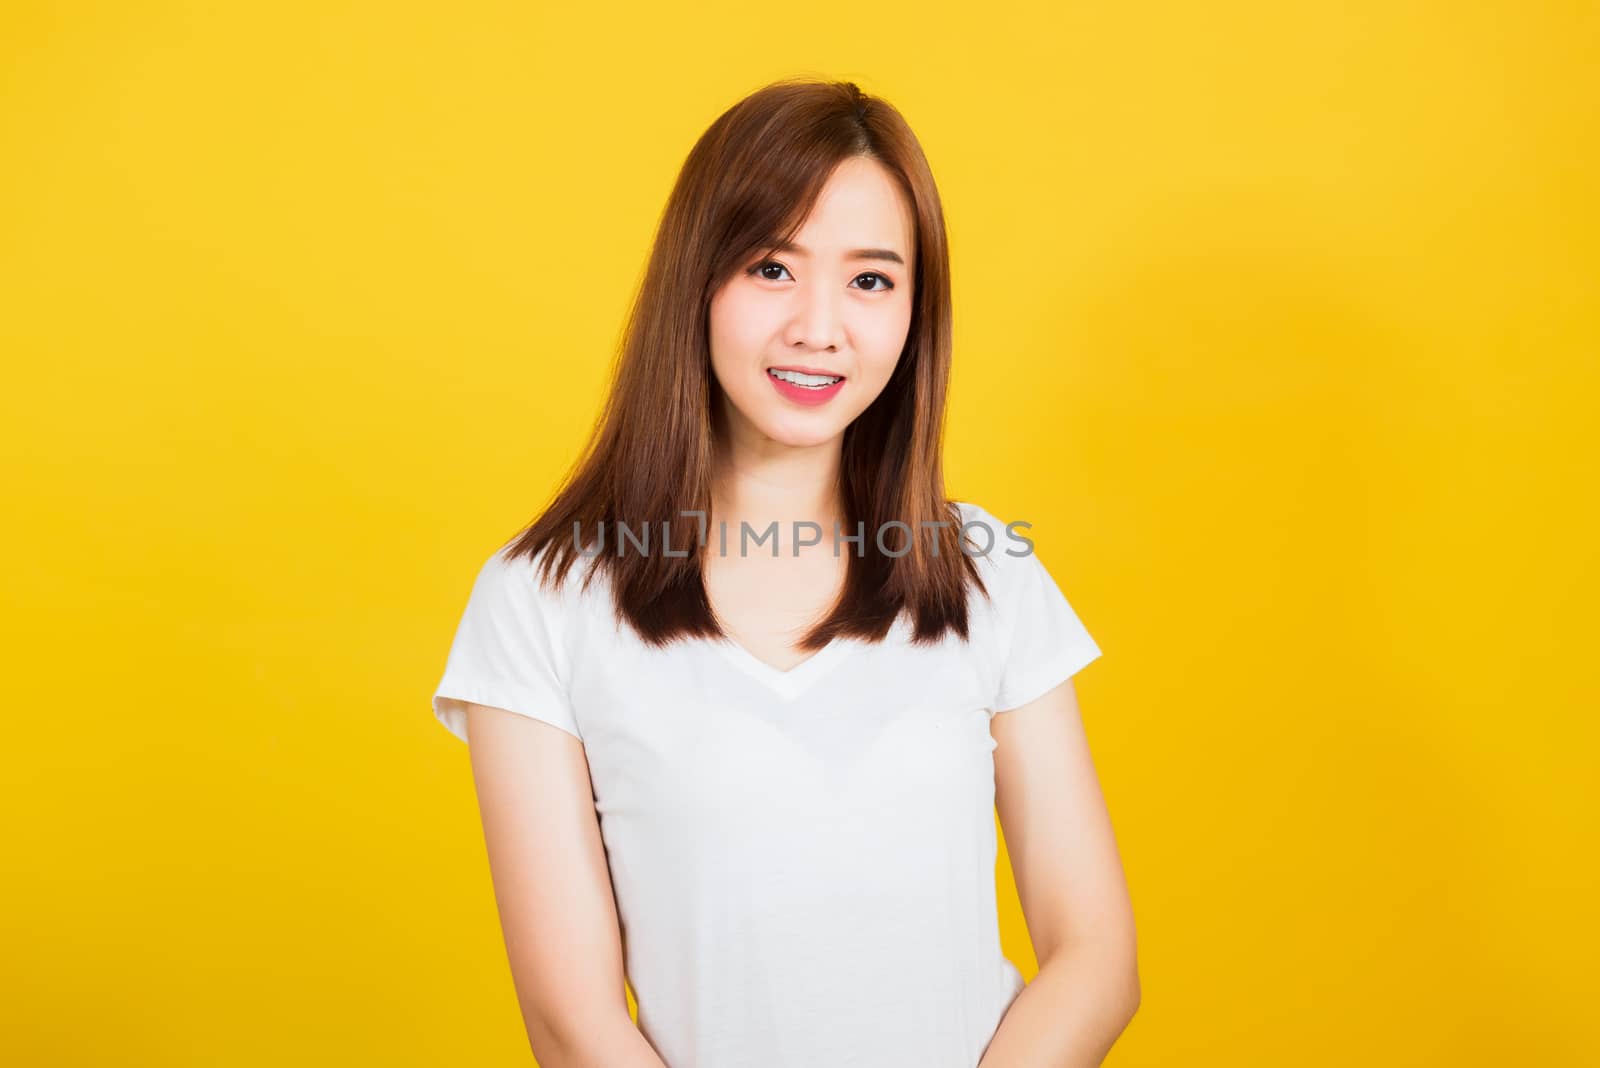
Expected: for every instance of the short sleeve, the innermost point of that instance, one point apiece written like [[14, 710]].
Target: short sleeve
[[509, 650], [1045, 643], [1041, 641]]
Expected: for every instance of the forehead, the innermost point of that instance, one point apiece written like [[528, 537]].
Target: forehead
[[861, 206]]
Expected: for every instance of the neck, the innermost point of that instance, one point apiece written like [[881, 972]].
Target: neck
[[761, 482]]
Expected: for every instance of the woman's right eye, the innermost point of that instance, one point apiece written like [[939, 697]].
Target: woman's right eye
[[766, 265]]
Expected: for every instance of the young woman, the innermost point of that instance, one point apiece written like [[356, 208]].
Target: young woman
[[759, 778]]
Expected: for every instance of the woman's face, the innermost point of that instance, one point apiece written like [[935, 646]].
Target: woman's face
[[835, 305]]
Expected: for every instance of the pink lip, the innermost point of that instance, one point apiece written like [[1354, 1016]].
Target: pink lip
[[803, 369], [800, 394]]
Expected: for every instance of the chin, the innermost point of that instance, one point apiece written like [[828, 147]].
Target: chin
[[801, 433]]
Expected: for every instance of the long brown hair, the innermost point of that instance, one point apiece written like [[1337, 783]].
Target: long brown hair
[[750, 182]]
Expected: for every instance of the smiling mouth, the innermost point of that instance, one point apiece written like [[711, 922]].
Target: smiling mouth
[[804, 380]]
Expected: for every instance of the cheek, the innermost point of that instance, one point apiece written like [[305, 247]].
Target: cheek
[[736, 328], [879, 344]]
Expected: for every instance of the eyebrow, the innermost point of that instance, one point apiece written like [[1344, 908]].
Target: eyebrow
[[888, 255]]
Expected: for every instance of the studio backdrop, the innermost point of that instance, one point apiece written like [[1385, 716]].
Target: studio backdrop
[[1278, 322]]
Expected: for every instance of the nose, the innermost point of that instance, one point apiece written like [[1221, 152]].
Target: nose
[[817, 322]]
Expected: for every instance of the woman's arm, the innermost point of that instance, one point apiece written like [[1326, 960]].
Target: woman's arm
[[553, 890], [1072, 889]]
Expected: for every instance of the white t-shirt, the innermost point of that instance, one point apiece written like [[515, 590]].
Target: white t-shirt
[[803, 861]]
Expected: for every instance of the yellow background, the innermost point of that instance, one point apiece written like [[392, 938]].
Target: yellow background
[[1277, 320]]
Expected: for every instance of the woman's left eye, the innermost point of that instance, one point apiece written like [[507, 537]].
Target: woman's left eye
[[764, 266]]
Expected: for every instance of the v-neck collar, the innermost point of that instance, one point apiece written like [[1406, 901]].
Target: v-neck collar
[[800, 678], [786, 684]]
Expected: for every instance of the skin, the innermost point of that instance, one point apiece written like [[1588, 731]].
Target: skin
[[821, 307], [1071, 887]]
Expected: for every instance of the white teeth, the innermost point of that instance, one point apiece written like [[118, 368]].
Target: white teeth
[[799, 378]]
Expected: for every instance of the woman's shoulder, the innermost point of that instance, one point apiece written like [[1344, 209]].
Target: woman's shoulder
[[987, 537], [1003, 554], [521, 575]]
